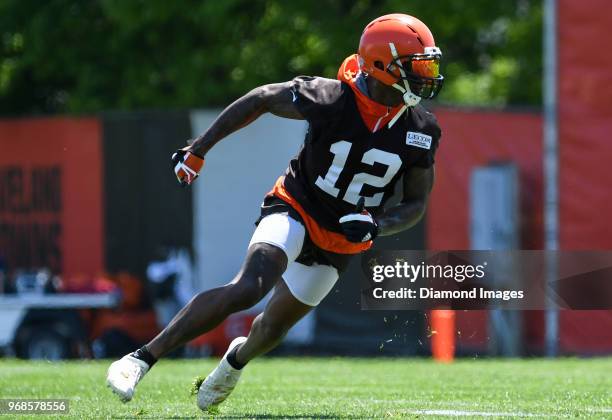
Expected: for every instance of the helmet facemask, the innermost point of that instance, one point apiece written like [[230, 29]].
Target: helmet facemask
[[419, 75], [422, 72]]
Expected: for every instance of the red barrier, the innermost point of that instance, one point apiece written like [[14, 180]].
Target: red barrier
[[51, 195], [585, 178], [471, 139]]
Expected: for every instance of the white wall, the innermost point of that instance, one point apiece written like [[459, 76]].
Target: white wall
[[238, 172]]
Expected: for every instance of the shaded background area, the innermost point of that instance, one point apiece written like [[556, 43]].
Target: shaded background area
[[73, 56], [139, 198], [106, 90]]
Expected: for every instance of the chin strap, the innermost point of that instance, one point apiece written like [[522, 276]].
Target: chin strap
[[410, 99]]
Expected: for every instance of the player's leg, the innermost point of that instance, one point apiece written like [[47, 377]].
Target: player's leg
[[282, 312], [302, 289], [277, 240], [262, 268]]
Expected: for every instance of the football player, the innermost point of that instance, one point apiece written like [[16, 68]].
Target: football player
[[366, 131]]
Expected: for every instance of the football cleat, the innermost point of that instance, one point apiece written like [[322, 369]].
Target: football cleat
[[221, 382], [123, 376]]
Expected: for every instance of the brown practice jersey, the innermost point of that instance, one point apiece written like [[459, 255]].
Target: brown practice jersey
[[341, 160]]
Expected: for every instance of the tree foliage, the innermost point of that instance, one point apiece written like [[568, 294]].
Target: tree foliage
[[81, 56]]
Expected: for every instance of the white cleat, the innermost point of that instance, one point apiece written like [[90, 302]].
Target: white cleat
[[123, 376], [221, 382]]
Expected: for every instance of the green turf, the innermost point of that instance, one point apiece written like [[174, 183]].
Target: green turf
[[334, 388]]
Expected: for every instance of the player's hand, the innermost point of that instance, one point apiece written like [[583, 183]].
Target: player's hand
[[187, 166], [359, 226]]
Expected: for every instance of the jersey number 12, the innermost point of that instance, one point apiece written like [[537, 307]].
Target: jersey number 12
[[352, 195]]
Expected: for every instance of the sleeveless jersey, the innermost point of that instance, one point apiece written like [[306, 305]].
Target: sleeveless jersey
[[341, 160]]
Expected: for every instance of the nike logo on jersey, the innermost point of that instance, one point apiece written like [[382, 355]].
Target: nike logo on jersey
[[418, 140]]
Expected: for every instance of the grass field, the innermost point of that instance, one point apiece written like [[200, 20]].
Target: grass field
[[334, 388]]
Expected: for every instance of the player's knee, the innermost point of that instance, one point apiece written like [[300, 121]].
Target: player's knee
[[244, 293]]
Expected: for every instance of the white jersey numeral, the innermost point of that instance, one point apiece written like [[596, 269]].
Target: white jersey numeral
[[340, 150], [371, 157], [352, 195]]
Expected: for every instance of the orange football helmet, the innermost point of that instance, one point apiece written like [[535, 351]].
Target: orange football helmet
[[399, 48]]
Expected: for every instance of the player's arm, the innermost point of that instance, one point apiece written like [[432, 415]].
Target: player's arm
[[418, 183], [361, 226], [275, 98]]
